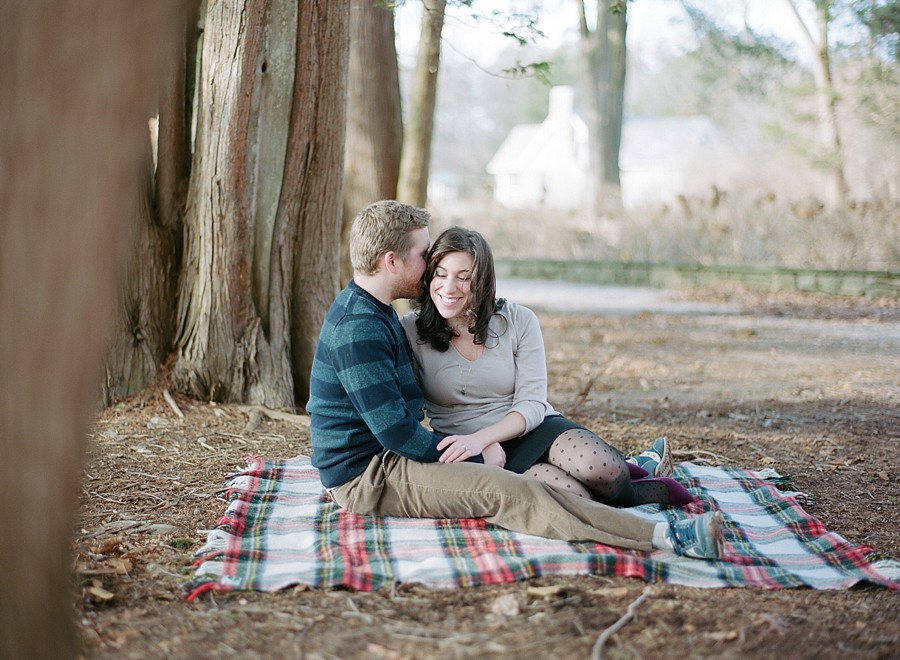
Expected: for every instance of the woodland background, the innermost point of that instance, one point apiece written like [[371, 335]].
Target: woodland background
[[280, 120]]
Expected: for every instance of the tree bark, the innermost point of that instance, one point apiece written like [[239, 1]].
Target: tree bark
[[415, 161], [374, 117], [263, 210], [78, 81]]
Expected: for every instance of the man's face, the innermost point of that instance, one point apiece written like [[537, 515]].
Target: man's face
[[412, 266]]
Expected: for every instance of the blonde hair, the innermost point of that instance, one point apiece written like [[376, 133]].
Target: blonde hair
[[384, 226]]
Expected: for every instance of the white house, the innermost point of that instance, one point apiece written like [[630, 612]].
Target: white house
[[660, 158], [544, 164]]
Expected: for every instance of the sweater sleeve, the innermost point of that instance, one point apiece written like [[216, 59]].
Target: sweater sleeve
[[530, 397], [371, 362]]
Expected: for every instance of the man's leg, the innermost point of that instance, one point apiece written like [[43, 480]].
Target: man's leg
[[395, 486]]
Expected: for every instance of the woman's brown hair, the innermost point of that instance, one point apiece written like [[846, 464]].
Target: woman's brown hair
[[433, 328]]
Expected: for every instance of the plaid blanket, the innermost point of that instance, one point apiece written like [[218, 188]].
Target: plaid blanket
[[281, 529]]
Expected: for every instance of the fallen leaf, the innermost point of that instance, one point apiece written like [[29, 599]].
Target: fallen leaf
[[99, 593]]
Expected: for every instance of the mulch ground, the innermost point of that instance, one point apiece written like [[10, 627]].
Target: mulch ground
[[807, 385]]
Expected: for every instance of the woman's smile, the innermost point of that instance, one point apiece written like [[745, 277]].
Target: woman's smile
[[451, 286]]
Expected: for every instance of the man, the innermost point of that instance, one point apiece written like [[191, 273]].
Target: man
[[366, 409]]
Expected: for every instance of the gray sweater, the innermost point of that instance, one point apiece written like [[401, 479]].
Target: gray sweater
[[463, 396]]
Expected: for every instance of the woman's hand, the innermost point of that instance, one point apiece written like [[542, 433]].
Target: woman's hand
[[458, 448]]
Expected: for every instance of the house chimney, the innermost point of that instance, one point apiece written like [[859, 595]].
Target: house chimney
[[562, 101]]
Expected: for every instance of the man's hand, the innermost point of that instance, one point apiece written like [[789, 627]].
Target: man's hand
[[494, 455]]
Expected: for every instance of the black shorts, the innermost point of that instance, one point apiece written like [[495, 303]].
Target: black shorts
[[528, 449]]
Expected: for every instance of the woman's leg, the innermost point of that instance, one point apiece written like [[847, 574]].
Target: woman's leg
[[559, 479], [586, 457], [602, 469]]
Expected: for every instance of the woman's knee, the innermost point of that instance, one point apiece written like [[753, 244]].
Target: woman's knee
[[557, 478]]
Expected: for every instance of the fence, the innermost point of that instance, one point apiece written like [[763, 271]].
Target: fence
[[883, 283]]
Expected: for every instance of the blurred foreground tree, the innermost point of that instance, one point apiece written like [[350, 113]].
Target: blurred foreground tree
[[77, 84]]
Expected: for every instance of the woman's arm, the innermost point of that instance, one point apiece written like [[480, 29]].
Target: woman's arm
[[461, 447], [530, 394]]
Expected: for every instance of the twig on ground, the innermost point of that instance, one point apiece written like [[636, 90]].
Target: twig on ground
[[302, 420], [582, 395], [202, 442], [597, 651], [153, 476], [684, 453], [172, 404]]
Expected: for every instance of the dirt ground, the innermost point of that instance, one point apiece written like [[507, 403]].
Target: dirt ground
[[807, 385]]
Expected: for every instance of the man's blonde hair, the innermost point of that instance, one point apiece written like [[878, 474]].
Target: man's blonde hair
[[384, 226]]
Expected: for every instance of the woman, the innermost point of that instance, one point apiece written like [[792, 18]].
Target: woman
[[480, 362]]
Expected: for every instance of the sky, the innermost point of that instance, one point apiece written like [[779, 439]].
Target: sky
[[654, 26]]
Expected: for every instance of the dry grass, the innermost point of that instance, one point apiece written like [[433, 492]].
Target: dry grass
[[718, 230]]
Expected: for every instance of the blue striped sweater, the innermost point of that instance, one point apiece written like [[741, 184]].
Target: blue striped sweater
[[363, 393]]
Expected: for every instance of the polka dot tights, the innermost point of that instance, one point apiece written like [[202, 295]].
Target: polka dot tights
[[583, 464]]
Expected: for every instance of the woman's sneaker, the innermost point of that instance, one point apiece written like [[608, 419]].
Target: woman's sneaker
[[657, 460], [700, 537]]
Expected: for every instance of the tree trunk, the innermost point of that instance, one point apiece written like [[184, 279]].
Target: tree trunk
[[374, 117], [313, 185], [78, 81], [145, 326], [615, 94], [603, 58], [826, 100], [263, 208], [415, 162]]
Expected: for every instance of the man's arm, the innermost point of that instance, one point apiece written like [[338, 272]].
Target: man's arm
[[384, 394]]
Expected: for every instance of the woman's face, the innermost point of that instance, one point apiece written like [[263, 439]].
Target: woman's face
[[451, 286]]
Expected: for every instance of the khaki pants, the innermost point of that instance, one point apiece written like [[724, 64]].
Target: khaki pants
[[395, 486]]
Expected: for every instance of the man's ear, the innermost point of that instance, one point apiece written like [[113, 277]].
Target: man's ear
[[388, 260]]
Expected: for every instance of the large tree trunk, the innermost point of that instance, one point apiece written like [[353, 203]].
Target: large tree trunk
[[415, 162], [77, 82], [374, 117], [264, 199], [831, 151]]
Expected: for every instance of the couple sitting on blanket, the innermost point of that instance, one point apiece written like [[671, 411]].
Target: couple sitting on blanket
[[498, 451]]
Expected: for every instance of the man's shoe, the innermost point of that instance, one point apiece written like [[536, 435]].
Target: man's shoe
[[657, 460], [700, 537]]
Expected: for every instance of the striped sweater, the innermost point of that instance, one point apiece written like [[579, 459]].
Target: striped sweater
[[363, 392]]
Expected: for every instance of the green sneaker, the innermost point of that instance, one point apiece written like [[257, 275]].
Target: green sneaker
[[657, 460], [700, 537]]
